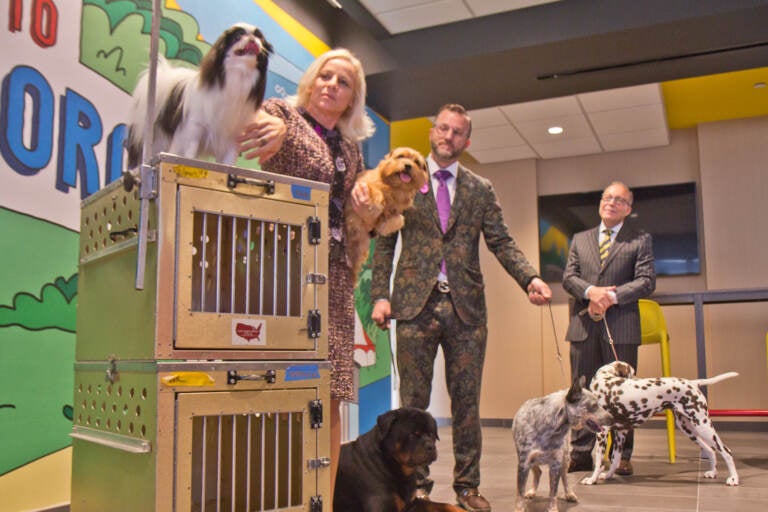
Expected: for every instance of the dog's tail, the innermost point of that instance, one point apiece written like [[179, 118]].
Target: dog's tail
[[715, 379]]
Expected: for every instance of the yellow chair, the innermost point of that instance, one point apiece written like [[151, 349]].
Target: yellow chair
[[653, 329]]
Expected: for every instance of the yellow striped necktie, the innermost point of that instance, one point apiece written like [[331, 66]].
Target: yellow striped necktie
[[605, 246]]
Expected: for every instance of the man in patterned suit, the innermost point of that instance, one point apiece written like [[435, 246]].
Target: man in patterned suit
[[609, 267], [438, 293]]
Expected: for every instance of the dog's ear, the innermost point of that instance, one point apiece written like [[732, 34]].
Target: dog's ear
[[574, 394], [384, 423], [624, 370]]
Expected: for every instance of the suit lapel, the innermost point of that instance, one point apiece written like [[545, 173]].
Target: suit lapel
[[459, 197], [594, 246], [429, 198], [617, 245]]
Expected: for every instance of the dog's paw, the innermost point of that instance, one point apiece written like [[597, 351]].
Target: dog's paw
[[605, 475], [387, 226], [370, 216], [571, 497], [710, 474], [530, 494], [732, 481], [588, 480]]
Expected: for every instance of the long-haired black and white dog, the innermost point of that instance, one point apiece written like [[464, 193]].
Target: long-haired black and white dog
[[200, 112]]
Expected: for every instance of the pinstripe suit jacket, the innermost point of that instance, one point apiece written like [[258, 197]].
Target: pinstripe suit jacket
[[474, 211], [629, 267]]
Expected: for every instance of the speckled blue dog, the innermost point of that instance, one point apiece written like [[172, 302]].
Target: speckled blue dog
[[540, 430]]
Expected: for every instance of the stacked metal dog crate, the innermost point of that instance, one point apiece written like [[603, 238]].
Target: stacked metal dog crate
[[201, 360]]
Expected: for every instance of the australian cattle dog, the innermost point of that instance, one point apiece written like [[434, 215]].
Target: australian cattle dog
[[540, 430]]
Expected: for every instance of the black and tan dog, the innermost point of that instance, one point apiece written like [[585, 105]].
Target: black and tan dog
[[377, 472]]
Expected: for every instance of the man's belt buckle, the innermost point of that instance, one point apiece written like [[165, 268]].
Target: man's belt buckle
[[443, 287]]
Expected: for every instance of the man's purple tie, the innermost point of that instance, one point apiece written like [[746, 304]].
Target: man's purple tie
[[443, 198], [443, 205]]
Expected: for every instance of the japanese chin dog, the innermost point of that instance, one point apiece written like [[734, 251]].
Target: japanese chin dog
[[200, 112], [392, 185]]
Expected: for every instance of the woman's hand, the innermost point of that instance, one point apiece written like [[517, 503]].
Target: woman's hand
[[360, 197], [262, 137]]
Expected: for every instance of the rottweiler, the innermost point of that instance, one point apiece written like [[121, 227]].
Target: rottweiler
[[377, 472]]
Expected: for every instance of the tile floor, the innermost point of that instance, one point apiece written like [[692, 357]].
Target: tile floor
[[656, 485]]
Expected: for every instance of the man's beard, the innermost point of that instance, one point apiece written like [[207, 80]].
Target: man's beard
[[446, 155]]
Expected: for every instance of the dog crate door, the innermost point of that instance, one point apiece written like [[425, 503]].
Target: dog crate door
[[242, 270], [245, 450]]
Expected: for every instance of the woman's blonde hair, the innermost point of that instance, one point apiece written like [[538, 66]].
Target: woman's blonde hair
[[354, 123]]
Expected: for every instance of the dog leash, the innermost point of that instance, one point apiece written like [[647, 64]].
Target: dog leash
[[557, 345], [585, 311], [610, 338]]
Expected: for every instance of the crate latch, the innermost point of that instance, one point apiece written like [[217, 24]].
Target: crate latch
[[316, 504], [268, 185], [316, 413], [269, 376], [313, 278], [313, 323], [320, 462], [314, 229], [111, 374]]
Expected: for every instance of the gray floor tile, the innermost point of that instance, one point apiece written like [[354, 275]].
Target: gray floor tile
[[656, 485]]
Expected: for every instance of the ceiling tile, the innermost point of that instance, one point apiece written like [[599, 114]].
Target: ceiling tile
[[495, 137], [574, 126], [634, 140], [619, 119], [424, 15], [484, 7], [484, 117], [488, 156], [571, 147], [379, 6], [542, 109], [628, 119], [623, 97]]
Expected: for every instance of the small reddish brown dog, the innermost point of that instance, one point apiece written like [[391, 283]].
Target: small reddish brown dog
[[392, 186]]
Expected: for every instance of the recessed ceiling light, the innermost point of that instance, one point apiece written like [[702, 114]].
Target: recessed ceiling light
[[555, 130], [759, 85]]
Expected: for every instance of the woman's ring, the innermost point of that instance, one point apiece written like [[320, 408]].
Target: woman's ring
[[262, 142]]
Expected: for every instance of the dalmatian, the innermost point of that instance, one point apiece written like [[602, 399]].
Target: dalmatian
[[541, 432], [631, 401]]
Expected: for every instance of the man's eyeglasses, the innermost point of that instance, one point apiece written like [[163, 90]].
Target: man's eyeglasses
[[615, 199], [443, 129]]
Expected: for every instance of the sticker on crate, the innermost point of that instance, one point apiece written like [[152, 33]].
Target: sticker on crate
[[249, 332], [302, 372]]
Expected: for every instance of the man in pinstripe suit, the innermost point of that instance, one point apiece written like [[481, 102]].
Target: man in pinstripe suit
[[609, 268]]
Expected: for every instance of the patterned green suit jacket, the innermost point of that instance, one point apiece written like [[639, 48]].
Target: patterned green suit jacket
[[475, 211]]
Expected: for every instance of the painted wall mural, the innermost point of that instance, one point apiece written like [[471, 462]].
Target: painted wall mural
[[67, 72]]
